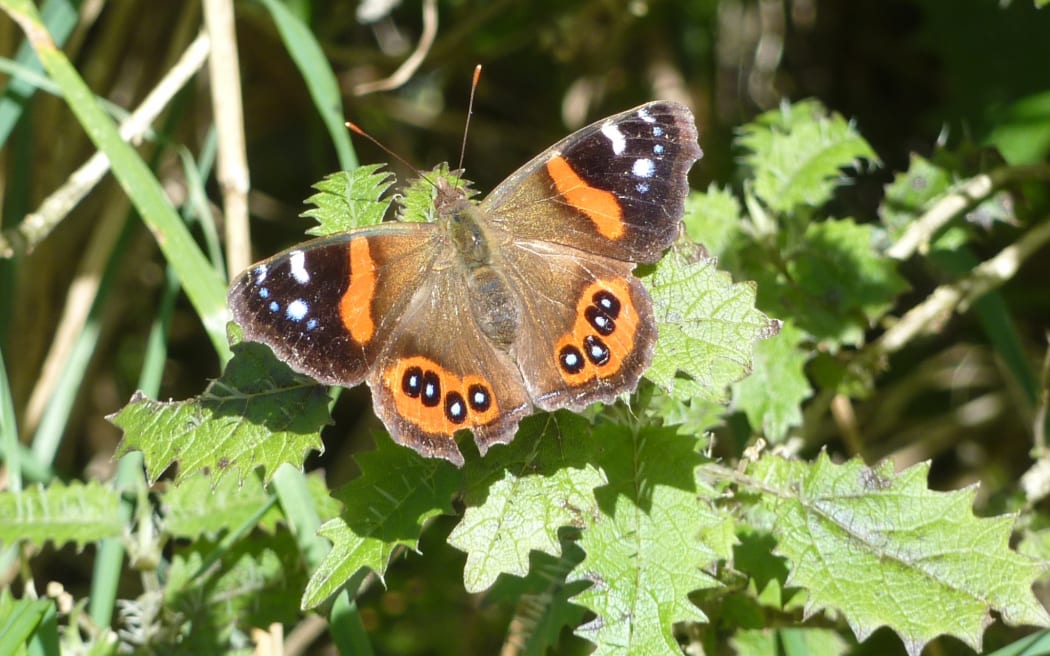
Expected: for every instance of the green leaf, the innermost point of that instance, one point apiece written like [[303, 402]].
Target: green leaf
[[253, 585], [416, 200], [883, 550], [204, 285], [79, 513], [708, 326], [259, 413], [349, 199], [516, 505], [712, 218], [541, 600], [910, 193], [842, 282], [384, 508], [789, 642], [772, 395], [201, 506], [797, 153], [19, 620], [648, 544]]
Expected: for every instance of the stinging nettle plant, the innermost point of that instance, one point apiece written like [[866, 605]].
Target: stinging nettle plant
[[701, 515], [621, 525]]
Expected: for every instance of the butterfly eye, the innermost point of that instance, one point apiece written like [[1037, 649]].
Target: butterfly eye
[[607, 302], [412, 382], [431, 389], [455, 408], [597, 351], [480, 399], [599, 320], [571, 359]]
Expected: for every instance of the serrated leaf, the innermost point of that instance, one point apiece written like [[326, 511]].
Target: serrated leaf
[[259, 413], [797, 154], [712, 218], [541, 600], [203, 507], [79, 513], [884, 550], [416, 200], [384, 508], [349, 199], [516, 505], [772, 395], [708, 326], [644, 548], [254, 584], [789, 642], [910, 193], [842, 282]]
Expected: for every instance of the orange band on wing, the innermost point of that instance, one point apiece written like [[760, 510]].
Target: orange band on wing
[[600, 206], [619, 342], [355, 308], [437, 418]]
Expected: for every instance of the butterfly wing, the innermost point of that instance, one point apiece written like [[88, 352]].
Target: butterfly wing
[[439, 373], [324, 306], [587, 332], [616, 188]]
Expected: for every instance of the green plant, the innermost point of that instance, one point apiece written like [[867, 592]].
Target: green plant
[[706, 511]]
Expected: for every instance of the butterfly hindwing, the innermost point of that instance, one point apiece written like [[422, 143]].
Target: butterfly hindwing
[[440, 374]]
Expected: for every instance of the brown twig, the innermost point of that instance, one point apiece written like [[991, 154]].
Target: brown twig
[[37, 225], [228, 110], [408, 68]]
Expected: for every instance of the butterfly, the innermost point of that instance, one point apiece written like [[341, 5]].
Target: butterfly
[[524, 300]]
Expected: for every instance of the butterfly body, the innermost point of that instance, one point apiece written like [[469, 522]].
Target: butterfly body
[[526, 299]]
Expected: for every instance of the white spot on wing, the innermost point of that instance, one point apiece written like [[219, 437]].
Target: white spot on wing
[[297, 262], [615, 137], [643, 114], [260, 274], [643, 168], [297, 310]]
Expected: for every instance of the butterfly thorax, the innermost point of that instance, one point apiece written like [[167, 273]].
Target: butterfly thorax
[[477, 251]]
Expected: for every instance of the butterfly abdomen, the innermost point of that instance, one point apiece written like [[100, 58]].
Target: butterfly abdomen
[[496, 309]]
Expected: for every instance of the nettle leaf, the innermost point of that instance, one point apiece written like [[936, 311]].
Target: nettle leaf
[[797, 154], [924, 184], [202, 506], [708, 326], [349, 199], [772, 395], [884, 550], [255, 583], [541, 600], [787, 640], [517, 502], [259, 413], [712, 218], [841, 281], [648, 543], [911, 191], [383, 508], [416, 200], [79, 513]]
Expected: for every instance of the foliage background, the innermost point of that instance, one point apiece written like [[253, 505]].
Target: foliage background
[[914, 75]]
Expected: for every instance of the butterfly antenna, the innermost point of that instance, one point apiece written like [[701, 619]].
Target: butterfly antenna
[[470, 111], [357, 129]]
